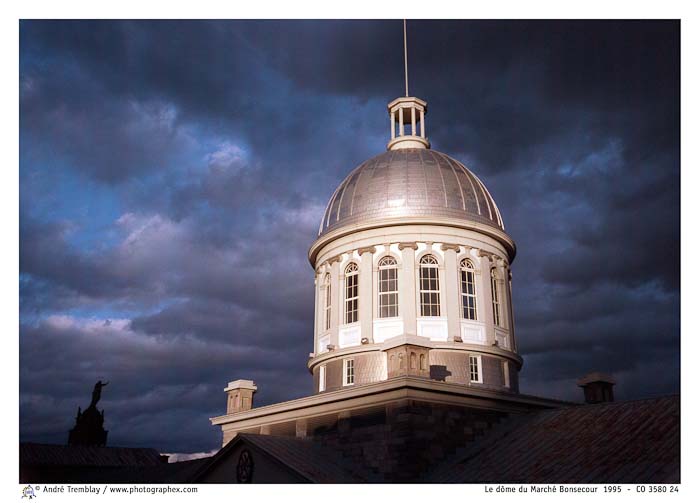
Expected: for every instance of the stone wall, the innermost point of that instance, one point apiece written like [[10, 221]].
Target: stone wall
[[453, 367], [443, 365], [401, 441], [369, 367]]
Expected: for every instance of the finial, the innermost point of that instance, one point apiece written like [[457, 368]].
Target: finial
[[405, 55], [407, 110]]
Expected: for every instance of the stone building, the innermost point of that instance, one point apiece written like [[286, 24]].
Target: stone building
[[413, 273], [415, 358]]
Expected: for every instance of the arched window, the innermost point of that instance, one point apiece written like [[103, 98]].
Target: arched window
[[429, 287], [401, 363], [351, 293], [495, 299], [422, 362], [466, 272], [388, 288], [327, 301], [414, 361]]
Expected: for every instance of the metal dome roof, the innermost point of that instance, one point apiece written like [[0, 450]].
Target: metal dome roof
[[410, 182]]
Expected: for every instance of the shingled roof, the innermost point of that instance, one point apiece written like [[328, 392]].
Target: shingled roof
[[83, 455], [51, 463], [620, 442]]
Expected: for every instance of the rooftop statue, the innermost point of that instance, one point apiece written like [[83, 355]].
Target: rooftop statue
[[88, 429], [97, 392]]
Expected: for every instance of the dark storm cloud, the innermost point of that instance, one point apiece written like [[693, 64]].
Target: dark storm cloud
[[72, 355], [218, 145]]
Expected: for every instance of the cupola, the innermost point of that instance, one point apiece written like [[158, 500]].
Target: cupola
[[407, 112]]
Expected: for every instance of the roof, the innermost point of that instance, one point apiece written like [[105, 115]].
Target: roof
[[595, 377], [174, 473], [50, 463], [618, 442], [82, 455], [410, 183], [310, 460]]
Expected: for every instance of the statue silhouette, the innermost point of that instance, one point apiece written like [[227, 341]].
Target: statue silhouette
[[97, 392], [88, 429]]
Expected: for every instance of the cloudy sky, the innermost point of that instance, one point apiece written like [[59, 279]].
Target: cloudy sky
[[173, 175]]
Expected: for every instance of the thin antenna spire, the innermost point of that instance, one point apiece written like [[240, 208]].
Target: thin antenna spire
[[405, 55]]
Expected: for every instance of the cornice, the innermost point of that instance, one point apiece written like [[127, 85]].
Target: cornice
[[387, 391], [502, 237]]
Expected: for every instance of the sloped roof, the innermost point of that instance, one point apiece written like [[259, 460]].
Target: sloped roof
[[619, 442], [83, 455], [312, 461], [164, 473]]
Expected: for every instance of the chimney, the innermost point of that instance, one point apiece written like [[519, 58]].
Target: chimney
[[240, 395], [597, 387]]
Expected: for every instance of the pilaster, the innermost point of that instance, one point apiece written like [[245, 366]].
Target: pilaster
[[318, 322], [336, 299], [365, 291], [484, 304], [407, 287], [509, 303], [451, 290]]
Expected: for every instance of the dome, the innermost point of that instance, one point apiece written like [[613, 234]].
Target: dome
[[410, 183]]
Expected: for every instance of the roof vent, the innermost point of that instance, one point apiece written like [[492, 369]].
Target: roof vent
[[597, 387]]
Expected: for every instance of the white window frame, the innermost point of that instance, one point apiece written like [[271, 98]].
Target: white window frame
[[429, 263], [322, 378], [352, 303], [327, 302], [466, 269], [348, 372], [496, 299], [475, 363], [386, 265]]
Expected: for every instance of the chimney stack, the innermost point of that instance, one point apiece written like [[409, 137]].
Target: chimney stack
[[240, 396], [597, 387]]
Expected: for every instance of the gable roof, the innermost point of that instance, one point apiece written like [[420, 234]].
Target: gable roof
[[619, 442], [309, 459]]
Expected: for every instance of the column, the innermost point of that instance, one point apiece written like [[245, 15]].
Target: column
[[422, 124], [318, 322], [511, 320], [451, 290], [502, 275], [393, 125], [407, 288], [413, 121], [484, 297], [400, 121], [336, 298], [365, 291]]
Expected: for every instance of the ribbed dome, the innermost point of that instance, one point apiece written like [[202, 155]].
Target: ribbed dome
[[412, 182]]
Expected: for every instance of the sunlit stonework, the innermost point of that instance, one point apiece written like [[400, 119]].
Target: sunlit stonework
[[412, 253], [414, 358]]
